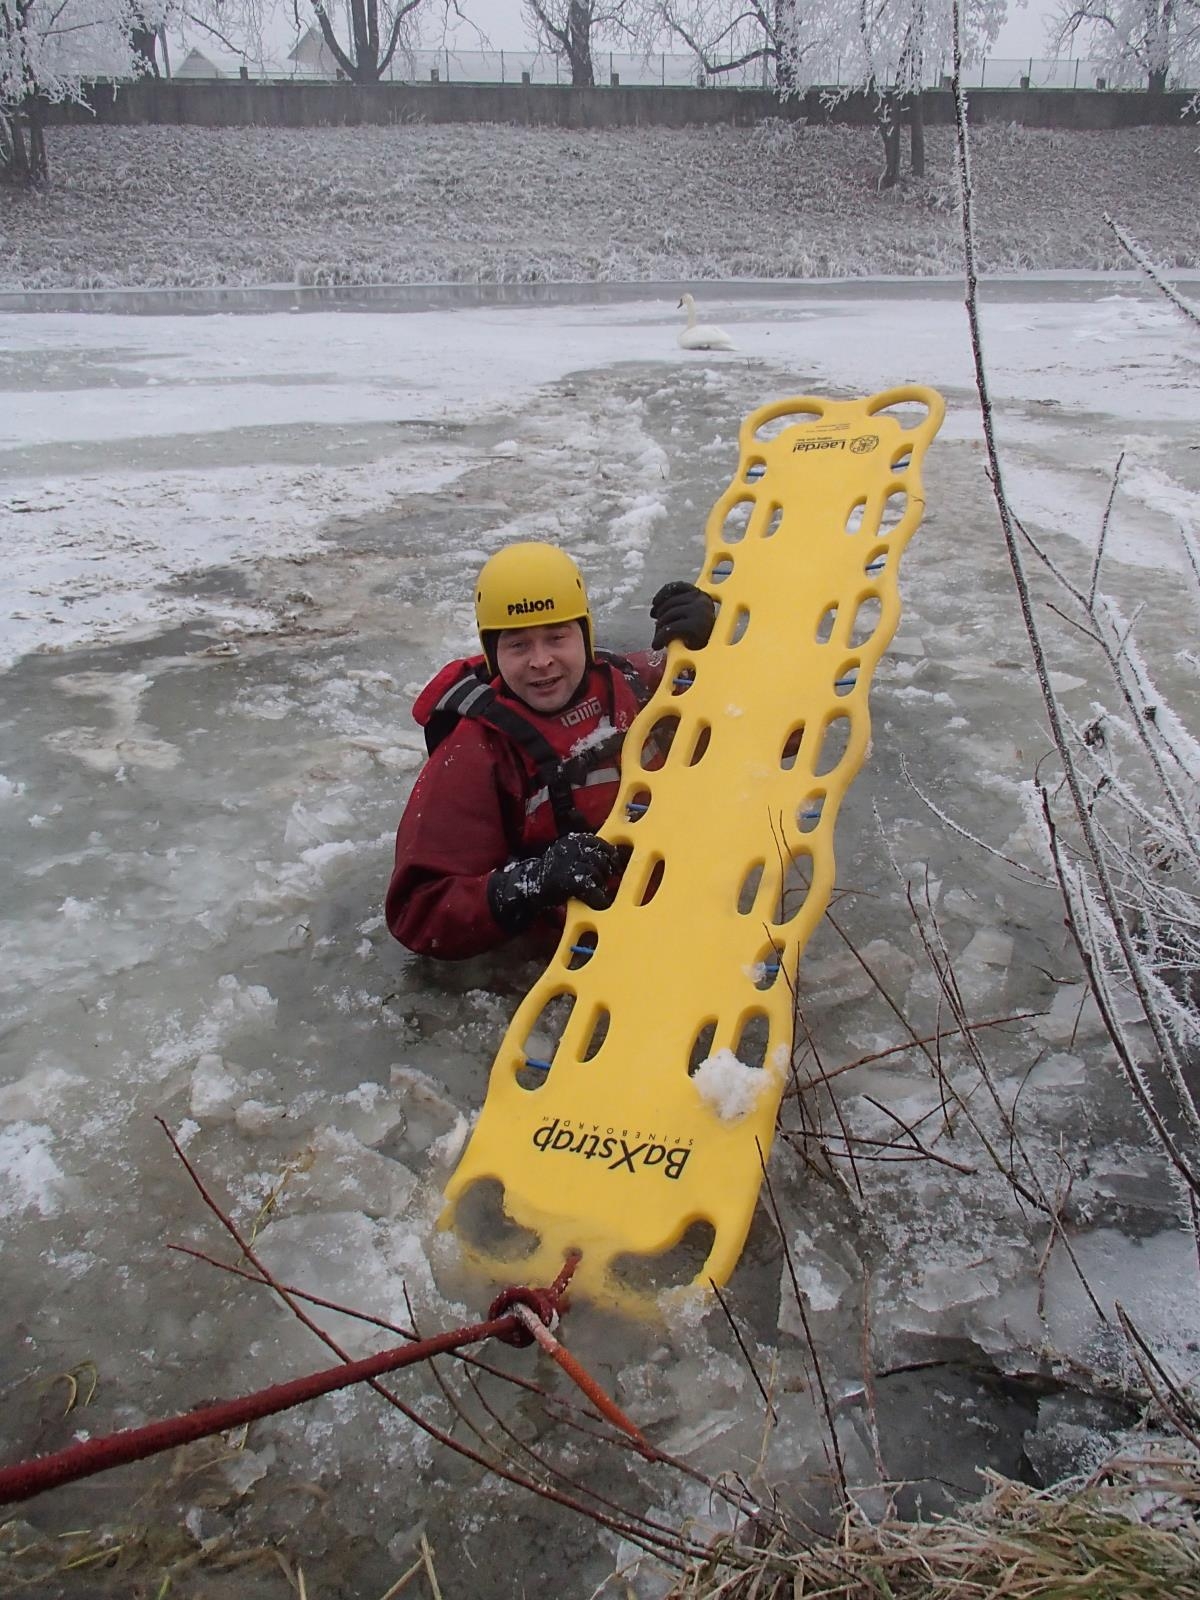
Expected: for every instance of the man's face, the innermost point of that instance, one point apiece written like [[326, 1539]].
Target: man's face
[[544, 665]]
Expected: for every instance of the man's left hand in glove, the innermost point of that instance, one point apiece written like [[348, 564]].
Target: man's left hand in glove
[[681, 611]]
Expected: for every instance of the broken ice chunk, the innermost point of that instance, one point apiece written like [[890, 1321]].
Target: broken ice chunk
[[1072, 1015], [215, 1091], [990, 948], [339, 1173]]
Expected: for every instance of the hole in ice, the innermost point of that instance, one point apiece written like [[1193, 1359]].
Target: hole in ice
[[676, 1266], [825, 625], [737, 519], [481, 1220], [833, 745], [866, 620], [749, 888]]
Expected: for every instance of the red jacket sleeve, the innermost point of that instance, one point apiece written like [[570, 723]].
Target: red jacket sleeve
[[451, 837], [648, 664]]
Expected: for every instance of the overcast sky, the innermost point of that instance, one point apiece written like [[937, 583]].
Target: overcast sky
[[504, 22]]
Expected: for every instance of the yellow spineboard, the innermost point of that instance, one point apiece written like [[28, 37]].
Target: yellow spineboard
[[618, 1155]]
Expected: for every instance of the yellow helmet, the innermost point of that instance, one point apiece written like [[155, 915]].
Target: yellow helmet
[[526, 586]]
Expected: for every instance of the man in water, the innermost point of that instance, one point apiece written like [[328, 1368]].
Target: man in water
[[524, 759]]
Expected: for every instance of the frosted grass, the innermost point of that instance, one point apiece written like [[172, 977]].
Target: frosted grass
[[192, 207]]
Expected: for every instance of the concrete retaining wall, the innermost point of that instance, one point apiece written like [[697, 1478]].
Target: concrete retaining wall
[[223, 103]]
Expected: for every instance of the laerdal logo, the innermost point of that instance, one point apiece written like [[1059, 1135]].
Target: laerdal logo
[[818, 444], [524, 608], [614, 1149]]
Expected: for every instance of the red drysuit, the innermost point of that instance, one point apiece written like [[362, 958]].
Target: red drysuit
[[478, 804]]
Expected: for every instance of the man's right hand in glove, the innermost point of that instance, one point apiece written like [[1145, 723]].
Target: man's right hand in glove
[[578, 865]]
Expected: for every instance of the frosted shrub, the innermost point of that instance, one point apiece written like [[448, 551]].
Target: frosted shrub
[[776, 137], [1122, 821]]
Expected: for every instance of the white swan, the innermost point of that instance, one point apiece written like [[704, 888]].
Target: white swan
[[701, 335]]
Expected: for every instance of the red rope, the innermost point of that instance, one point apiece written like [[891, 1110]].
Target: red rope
[[28, 1478], [579, 1373]]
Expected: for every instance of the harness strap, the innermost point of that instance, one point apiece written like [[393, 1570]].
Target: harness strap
[[637, 684], [473, 696], [470, 697]]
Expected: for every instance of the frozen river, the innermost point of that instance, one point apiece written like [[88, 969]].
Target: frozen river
[[234, 548]]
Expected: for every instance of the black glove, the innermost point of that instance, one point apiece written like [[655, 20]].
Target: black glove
[[682, 611], [578, 864]]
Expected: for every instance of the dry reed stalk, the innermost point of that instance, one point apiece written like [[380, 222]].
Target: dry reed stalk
[[1091, 1539]]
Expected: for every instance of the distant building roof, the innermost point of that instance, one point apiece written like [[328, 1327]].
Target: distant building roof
[[197, 65], [313, 53]]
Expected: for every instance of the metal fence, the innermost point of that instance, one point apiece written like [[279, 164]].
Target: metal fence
[[668, 70], [311, 61]]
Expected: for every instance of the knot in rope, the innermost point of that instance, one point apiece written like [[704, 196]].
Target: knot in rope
[[544, 1304]]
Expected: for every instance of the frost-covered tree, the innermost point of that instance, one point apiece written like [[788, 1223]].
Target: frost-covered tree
[[145, 35], [1132, 40], [570, 30], [886, 47], [47, 49], [372, 30], [780, 34], [362, 36], [881, 46]]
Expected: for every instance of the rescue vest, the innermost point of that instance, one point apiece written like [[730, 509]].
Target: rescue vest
[[464, 689]]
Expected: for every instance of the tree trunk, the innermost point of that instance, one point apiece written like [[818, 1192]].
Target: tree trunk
[[787, 54], [916, 134], [24, 145], [39, 162], [579, 45], [887, 120], [143, 41], [365, 61], [14, 158], [1160, 25]]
